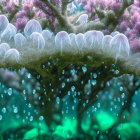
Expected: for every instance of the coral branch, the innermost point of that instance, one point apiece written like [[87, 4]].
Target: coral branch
[[62, 20], [92, 25]]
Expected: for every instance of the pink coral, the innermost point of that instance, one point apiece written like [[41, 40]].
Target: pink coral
[[129, 22], [135, 45], [21, 22]]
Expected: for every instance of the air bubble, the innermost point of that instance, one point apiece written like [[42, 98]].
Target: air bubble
[[106, 43], [3, 48], [47, 35], [57, 100], [82, 19], [94, 39], [62, 41], [93, 82], [73, 88], [41, 118], [63, 85], [0, 117], [94, 75], [4, 110], [80, 41], [134, 104], [120, 46]]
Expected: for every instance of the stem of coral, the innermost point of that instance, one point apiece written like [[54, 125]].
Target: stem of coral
[[65, 25]]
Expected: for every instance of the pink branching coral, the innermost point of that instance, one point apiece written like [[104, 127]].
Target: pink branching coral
[[28, 10], [128, 23]]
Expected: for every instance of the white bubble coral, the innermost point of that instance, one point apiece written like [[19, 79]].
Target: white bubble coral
[[37, 41], [20, 40], [32, 26], [62, 41], [82, 19], [120, 46], [3, 23], [3, 48], [12, 56], [9, 32], [94, 39], [72, 37], [48, 37]]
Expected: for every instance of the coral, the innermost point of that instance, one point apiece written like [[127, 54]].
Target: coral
[[128, 21], [71, 57], [91, 42]]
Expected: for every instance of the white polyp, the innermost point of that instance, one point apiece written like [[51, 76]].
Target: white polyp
[[62, 40], [20, 40], [9, 32], [12, 55], [73, 45], [72, 37], [82, 19], [94, 38], [3, 48], [3, 23], [114, 33], [80, 41], [32, 26], [47, 35], [106, 42], [37, 41], [88, 39], [120, 45]]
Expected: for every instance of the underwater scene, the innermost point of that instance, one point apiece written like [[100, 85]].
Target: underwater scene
[[69, 69]]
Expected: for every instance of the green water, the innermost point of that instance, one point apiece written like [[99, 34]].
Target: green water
[[22, 119]]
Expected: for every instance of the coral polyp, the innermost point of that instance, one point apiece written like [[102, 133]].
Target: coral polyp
[[32, 26], [12, 55], [120, 45], [3, 23]]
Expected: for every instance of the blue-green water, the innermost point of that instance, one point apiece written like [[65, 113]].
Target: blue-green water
[[108, 117]]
